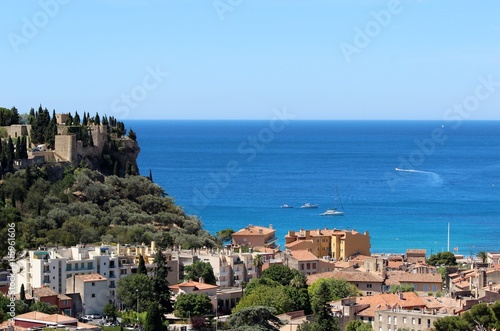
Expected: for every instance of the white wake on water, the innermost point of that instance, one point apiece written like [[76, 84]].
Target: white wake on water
[[436, 178]]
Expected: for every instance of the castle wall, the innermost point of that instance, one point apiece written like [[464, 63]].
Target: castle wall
[[66, 148], [62, 118], [18, 130]]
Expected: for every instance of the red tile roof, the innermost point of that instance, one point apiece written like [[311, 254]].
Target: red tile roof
[[197, 285], [303, 255]]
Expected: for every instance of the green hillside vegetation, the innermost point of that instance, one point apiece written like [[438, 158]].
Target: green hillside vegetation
[[86, 207]]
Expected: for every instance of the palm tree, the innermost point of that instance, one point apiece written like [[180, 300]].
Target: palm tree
[[258, 262], [299, 281], [482, 255]]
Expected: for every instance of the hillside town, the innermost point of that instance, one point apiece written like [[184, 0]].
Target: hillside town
[[82, 279]]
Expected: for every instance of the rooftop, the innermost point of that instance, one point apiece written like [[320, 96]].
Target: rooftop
[[45, 291], [197, 286], [253, 230], [303, 255], [91, 278]]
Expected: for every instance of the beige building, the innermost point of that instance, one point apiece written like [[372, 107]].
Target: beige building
[[255, 236], [401, 319], [93, 289], [334, 244], [423, 283], [415, 255]]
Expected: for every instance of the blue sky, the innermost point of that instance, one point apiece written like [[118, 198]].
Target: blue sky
[[240, 59]]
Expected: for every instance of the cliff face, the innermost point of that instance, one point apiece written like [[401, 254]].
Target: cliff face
[[112, 158]]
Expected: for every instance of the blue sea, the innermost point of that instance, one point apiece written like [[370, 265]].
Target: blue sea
[[402, 181]]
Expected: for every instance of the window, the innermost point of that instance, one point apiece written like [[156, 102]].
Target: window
[[93, 295], [389, 319], [93, 283], [395, 320], [380, 317], [413, 320], [369, 285], [404, 320], [314, 265], [368, 293], [419, 321], [302, 266], [434, 288], [308, 265], [426, 287]]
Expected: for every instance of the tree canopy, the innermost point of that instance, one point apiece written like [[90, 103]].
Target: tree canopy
[[200, 269], [187, 305], [256, 318], [442, 258]]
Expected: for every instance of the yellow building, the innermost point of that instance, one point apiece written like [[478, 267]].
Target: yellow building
[[336, 244]]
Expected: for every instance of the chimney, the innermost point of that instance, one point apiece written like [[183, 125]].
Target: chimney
[[201, 280], [153, 247], [270, 226]]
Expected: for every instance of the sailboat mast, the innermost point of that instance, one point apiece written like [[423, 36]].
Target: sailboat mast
[[448, 236]]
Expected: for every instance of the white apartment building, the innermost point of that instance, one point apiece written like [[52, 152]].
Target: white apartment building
[[52, 267]]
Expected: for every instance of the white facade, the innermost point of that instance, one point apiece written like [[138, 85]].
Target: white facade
[[93, 289], [53, 267]]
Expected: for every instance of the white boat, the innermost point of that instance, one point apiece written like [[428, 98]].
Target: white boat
[[335, 211], [286, 206], [332, 212], [308, 205]]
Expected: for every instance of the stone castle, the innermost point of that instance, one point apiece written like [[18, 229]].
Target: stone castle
[[66, 147]]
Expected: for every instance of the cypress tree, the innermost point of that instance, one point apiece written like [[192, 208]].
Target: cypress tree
[[17, 150], [142, 266], [31, 116], [128, 169], [150, 175], [76, 119], [154, 320], [22, 294], [28, 179], [97, 120], [115, 169], [85, 119], [161, 291]]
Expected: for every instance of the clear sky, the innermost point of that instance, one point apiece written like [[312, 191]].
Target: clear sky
[[240, 59]]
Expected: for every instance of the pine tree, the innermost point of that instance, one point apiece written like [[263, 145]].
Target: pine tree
[[142, 266]]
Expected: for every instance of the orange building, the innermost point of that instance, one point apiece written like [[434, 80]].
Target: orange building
[[336, 244], [255, 236]]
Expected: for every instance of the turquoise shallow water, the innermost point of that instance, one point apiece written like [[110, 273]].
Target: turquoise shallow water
[[403, 181]]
